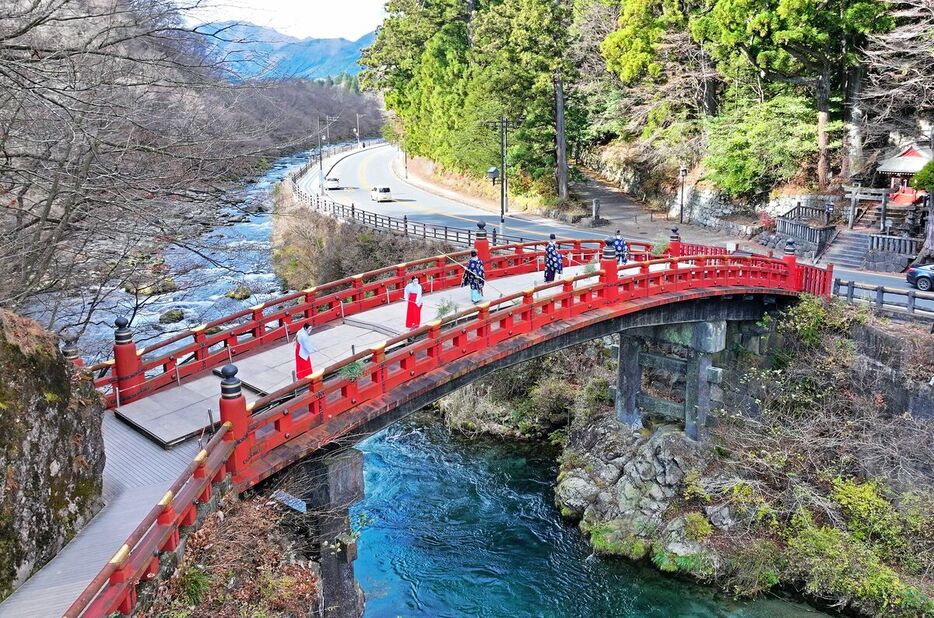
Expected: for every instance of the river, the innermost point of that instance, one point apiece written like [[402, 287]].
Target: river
[[456, 527]]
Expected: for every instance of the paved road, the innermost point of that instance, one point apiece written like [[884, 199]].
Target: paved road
[[361, 171]]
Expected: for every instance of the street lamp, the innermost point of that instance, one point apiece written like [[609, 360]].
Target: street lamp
[[683, 172]]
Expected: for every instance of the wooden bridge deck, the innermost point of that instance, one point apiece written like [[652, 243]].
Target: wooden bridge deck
[[138, 470]]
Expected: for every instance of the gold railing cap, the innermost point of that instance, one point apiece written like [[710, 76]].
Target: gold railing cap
[[484, 305], [258, 307], [227, 425], [356, 276], [198, 328], [529, 291], [310, 290], [378, 347], [402, 265], [121, 555], [166, 499], [249, 406], [140, 351], [435, 323], [201, 456]]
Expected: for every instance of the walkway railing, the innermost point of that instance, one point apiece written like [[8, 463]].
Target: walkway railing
[[881, 298], [138, 559], [818, 236], [244, 439]]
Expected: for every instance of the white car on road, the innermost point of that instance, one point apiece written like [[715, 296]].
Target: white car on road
[[381, 194], [332, 183]]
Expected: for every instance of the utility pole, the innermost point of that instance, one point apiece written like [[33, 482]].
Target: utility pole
[[561, 142], [320, 160], [358, 130], [503, 125]]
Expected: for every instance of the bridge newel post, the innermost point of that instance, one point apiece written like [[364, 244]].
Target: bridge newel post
[[434, 333], [128, 368], [70, 350], [609, 275], [791, 260], [309, 302], [234, 411], [259, 324], [378, 357], [481, 244], [674, 243], [828, 283]]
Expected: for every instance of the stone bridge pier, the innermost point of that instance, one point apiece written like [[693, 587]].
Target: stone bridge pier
[[689, 359], [332, 484]]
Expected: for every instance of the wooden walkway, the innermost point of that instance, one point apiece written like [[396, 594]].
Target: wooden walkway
[[138, 470]]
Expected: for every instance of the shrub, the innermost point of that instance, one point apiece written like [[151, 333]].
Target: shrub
[[834, 563], [754, 568], [752, 148], [194, 582], [696, 526], [870, 518]]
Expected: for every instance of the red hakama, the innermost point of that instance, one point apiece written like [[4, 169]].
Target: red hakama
[[302, 365], [413, 313]]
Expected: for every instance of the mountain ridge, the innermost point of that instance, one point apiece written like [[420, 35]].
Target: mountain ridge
[[258, 52]]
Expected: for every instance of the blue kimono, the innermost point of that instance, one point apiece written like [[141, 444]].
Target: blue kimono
[[553, 261], [622, 250], [475, 278]]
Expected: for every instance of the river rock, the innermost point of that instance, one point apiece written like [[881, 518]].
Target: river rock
[[241, 292], [172, 316]]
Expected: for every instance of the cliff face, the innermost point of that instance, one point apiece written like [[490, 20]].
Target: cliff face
[[51, 449]]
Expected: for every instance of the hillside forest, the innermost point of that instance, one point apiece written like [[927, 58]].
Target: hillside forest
[[748, 95], [121, 127]]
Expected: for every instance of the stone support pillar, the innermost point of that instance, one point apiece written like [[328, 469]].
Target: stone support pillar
[[629, 382], [335, 483]]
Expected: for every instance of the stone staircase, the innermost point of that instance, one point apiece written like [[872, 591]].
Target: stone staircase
[[848, 249]]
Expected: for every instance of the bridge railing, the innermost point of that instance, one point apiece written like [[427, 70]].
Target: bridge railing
[[216, 343], [313, 402], [114, 587]]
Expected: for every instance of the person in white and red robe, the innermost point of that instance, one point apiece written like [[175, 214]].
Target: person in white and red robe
[[413, 300], [303, 349]]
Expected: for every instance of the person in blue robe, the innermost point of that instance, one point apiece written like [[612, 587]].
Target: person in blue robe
[[474, 277], [553, 260], [621, 247]]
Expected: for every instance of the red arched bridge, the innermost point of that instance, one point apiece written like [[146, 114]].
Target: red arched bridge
[[262, 428]]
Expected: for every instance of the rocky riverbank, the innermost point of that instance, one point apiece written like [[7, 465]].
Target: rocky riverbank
[[816, 477], [51, 449]]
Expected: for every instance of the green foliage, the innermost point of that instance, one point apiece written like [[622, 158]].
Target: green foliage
[[659, 248], [754, 568], [194, 582], [631, 51], [596, 392], [924, 179], [696, 526], [751, 148], [351, 371], [664, 560], [610, 539], [833, 562], [445, 308], [870, 517], [693, 489], [812, 317]]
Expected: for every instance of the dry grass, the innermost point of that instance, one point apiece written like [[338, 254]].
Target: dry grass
[[241, 562]]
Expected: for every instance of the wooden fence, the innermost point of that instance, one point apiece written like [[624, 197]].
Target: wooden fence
[[907, 302]]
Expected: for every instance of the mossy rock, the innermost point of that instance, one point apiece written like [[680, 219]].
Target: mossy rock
[[152, 288], [241, 292], [172, 316]]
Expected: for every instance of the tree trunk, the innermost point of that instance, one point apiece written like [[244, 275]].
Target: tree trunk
[[927, 251], [823, 115], [561, 142], [854, 158]]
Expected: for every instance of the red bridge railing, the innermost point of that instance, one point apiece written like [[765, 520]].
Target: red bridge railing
[[133, 373], [239, 446]]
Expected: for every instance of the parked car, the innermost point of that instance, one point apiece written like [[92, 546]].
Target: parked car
[[922, 277], [332, 183], [381, 194]]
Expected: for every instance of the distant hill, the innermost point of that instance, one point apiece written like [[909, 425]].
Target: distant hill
[[257, 52]]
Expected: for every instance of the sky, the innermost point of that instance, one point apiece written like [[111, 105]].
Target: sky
[[349, 19]]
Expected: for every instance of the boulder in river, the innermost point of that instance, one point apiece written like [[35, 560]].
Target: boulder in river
[[241, 292], [172, 316]]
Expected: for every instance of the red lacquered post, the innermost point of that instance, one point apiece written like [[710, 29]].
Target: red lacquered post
[[674, 243], [234, 411], [128, 369], [791, 260], [481, 244], [609, 275]]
